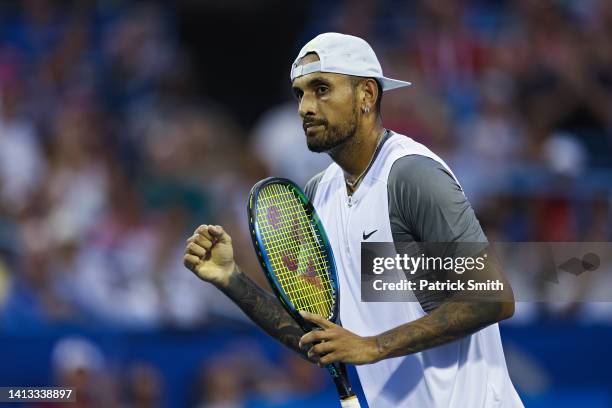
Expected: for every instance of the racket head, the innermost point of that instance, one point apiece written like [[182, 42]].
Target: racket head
[[293, 249]]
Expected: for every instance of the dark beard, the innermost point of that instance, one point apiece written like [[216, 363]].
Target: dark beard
[[334, 135]]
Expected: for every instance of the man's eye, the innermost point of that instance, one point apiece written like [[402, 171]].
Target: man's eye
[[322, 89], [298, 94]]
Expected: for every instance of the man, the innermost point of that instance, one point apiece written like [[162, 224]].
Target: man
[[434, 352]]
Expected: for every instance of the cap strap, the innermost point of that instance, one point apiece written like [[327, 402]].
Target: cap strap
[[305, 69]]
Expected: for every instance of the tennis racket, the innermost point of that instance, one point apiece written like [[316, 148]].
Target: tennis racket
[[297, 259]]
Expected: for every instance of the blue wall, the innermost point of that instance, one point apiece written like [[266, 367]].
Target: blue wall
[[576, 359]]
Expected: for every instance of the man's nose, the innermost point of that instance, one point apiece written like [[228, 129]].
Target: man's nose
[[307, 106]]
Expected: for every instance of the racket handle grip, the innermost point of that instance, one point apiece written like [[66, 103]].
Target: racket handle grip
[[350, 402]]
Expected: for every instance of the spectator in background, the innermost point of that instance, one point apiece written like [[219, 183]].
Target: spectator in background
[[79, 364], [179, 197], [77, 181], [559, 67], [138, 55], [222, 382], [492, 138], [144, 387], [449, 54], [21, 161], [4, 281], [240, 377], [114, 269]]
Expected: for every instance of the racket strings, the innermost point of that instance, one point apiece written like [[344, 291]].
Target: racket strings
[[310, 300], [295, 250]]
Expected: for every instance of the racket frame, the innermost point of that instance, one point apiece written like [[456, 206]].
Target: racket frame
[[337, 371], [319, 234]]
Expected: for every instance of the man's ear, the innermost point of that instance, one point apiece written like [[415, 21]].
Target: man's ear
[[370, 93]]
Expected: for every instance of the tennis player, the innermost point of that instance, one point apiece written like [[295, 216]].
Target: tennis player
[[435, 352]]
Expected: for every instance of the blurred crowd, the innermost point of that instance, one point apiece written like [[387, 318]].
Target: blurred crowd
[[109, 158], [236, 377], [106, 166]]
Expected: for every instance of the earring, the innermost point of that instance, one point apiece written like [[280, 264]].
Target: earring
[[366, 109]]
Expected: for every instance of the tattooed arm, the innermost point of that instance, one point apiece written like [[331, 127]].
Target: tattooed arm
[[451, 321], [209, 255], [462, 314], [264, 309]]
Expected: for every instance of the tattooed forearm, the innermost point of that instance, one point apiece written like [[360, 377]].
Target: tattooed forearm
[[450, 321], [460, 316], [264, 309]]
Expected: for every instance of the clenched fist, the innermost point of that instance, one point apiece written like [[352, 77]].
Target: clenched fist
[[209, 254]]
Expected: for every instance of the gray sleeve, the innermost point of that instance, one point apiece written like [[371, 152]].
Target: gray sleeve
[[311, 186], [426, 204]]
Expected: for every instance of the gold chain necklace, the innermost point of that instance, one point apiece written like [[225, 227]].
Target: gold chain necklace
[[353, 184]]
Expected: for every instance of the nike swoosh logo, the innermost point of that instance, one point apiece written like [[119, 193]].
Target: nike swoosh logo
[[366, 236]]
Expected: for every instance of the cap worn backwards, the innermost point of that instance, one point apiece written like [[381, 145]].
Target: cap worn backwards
[[343, 54]]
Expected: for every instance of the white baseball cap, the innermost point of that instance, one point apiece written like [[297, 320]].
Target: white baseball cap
[[343, 54]]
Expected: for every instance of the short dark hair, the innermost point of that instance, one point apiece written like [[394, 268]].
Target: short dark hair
[[357, 80]]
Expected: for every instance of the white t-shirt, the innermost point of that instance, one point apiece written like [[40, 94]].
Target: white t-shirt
[[467, 373]]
